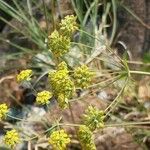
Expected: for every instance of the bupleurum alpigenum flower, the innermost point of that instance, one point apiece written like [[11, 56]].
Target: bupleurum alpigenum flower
[[68, 25], [58, 44], [86, 138], [83, 76], [43, 97], [3, 111], [94, 118], [11, 138], [62, 85], [24, 75], [59, 140]]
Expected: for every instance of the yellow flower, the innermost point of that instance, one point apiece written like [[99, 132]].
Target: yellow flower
[[59, 140], [61, 84], [83, 76], [58, 44], [3, 111], [94, 118], [24, 75], [86, 138], [11, 138], [68, 25], [43, 97]]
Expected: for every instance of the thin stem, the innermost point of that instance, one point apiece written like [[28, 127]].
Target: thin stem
[[101, 59], [107, 73], [138, 63], [128, 123], [108, 48], [49, 129], [114, 21], [106, 85], [20, 119], [82, 45], [16, 118], [135, 16], [70, 124], [115, 101], [77, 125], [30, 10], [96, 85], [139, 72]]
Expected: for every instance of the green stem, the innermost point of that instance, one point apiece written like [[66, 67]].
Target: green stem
[[114, 21], [49, 129], [139, 72]]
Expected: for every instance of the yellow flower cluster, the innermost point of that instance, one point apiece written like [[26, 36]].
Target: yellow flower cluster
[[61, 84], [58, 44], [43, 97], [59, 41], [68, 25], [94, 118], [83, 76], [86, 138], [3, 111], [24, 75], [11, 138], [59, 140]]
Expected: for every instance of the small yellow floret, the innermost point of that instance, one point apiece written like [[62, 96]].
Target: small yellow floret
[[58, 44], [11, 138], [62, 85], [86, 138], [59, 140], [3, 111], [83, 76], [68, 25], [43, 97], [94, 118], [24, 75]]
